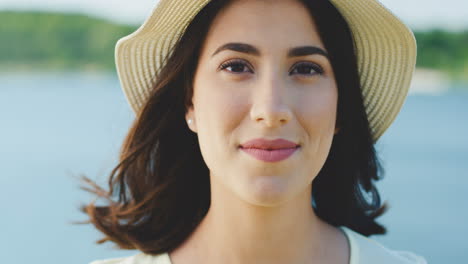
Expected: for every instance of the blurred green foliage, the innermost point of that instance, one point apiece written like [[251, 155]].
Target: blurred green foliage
[[38, 40], [41, 40], [444, 50]]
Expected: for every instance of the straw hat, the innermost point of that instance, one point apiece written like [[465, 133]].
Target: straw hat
[[385, 49]]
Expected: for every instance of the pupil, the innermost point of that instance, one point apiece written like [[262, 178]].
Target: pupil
[[237, 67], [304, 68]]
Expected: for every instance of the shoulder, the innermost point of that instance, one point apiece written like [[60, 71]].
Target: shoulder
[[140, 258], [366, 251]]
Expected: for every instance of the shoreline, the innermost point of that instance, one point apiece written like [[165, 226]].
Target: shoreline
[[424, 81]]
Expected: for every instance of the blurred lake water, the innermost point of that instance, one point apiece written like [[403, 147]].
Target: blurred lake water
[[55, 126]]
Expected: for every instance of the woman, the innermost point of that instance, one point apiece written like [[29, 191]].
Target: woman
[[254, 142]]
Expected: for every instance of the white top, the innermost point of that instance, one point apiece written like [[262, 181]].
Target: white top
[[363, 251]]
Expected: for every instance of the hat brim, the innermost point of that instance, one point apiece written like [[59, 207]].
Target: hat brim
[[385, 49]]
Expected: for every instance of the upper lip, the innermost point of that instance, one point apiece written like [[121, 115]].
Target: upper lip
[[262, 143]]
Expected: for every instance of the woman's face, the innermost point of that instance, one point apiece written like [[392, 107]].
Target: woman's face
[[263, 73]]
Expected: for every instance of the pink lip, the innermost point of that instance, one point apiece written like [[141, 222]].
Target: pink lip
[[269, 150]]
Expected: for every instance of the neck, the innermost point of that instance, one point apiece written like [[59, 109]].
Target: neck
[[235, 231]]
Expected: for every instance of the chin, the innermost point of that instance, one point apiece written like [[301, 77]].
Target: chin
[[268, 191]]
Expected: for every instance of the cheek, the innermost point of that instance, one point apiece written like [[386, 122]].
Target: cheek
[[318, 107], [220, 107], [317, 115], [219, 110]]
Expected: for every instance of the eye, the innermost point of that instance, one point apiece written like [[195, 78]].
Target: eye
[[307, 68], [235, 66]]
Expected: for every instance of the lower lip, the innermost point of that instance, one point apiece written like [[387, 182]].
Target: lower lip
[[270, 155]]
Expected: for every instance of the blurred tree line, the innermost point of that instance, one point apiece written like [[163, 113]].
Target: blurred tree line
[[41, 40], [38, 40], [444, 50]]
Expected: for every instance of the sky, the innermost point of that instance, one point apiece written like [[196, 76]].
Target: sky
[[418, 14]]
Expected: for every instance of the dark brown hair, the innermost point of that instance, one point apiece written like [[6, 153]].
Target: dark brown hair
[[160, 190]]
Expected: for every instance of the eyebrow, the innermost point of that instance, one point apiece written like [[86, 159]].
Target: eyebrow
[[293, 52]]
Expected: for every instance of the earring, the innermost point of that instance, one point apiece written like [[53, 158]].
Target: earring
[[189, 121]]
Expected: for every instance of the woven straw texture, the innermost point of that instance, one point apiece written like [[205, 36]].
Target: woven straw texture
[[385, 49]]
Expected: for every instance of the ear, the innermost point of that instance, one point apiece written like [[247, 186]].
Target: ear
[[190, 115], [337, 129], [337, 126]]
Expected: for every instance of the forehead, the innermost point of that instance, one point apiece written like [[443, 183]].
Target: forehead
[[267, 24]]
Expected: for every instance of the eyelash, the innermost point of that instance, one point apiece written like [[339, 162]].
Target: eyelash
[[231, 63]]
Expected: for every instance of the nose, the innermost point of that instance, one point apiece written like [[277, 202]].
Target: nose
[[270, 103]]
